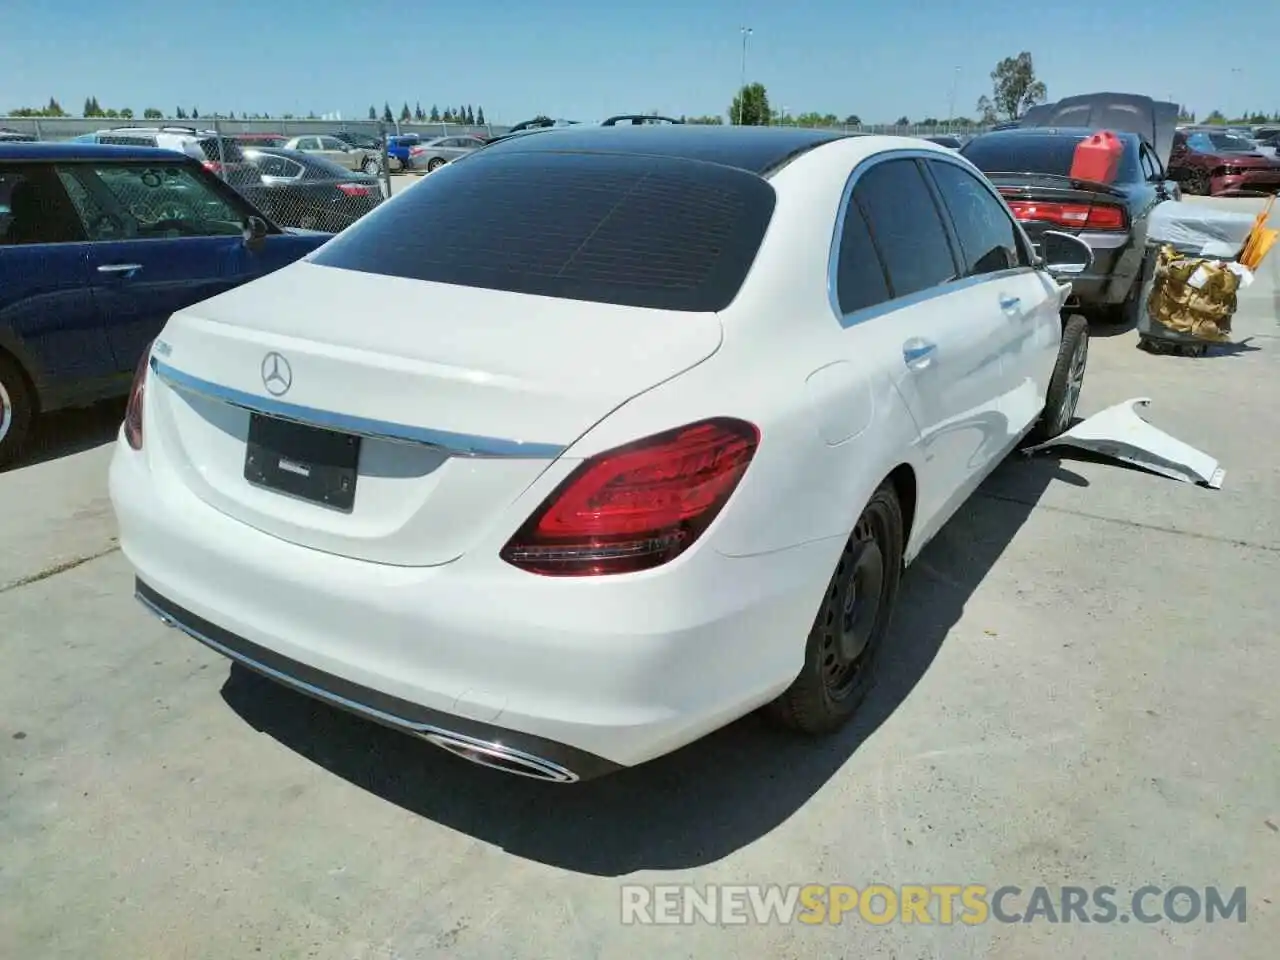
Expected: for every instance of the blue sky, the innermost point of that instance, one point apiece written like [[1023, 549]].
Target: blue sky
[[584, 60]]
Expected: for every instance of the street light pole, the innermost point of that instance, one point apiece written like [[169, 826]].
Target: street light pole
[[951, 104], [742, 88]]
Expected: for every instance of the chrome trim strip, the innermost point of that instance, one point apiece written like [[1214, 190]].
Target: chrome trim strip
[[458, 444], [1104, 241], [942, 155], [428, 732]]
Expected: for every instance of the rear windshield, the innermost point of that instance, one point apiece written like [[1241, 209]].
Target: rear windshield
[[1022, 154], [322, 168], [1053, 154], [638, 231], [231, 152]]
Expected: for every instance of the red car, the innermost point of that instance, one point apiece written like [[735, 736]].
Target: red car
[[1215, 164]]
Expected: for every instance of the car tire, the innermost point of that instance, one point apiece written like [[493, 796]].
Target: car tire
[[1066, 382], [371, 166], [434, 164], [16, 409], [844, 644]]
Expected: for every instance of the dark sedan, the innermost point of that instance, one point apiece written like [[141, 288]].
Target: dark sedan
[[1031, 165], [303, 190]]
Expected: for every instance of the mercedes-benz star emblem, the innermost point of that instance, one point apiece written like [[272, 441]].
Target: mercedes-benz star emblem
[[277, 375]]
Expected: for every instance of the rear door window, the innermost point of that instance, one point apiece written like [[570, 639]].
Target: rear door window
[[906, 225], [988, 239], [34, 207], [638, 231]]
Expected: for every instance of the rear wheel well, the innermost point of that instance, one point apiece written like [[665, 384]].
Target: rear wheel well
[[27, 381], [903, 479]]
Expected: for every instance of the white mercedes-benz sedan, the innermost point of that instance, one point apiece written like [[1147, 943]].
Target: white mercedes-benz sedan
[[640, 438]]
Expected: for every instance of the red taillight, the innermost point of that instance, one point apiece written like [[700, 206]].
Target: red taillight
[[354, 189], [133, 412], [213, 166], [637, 506], [1078, 216]]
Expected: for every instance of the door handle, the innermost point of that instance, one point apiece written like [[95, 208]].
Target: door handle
[[1010, 303], [119, 267], [918, 353]]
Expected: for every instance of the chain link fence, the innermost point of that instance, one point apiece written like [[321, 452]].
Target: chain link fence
[[313, 181]]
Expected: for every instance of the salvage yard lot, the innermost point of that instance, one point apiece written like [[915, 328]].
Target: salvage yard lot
[[1082, 691]]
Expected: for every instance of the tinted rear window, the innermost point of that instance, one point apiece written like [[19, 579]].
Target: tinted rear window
[[231, 152], [1022, 154], [638, 231]]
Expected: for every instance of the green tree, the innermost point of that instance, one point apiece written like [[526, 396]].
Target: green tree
[[1014, 87], [480, 117], [1216, 116], [181, 114], [89, 110], [387, 115], [448, 114], [405, 113], [853, 120], [751, 106], [471, 117], [151, 113], [111, 114], [435, 114], [373, 112], [418, 115], [195, 113], [902, 121], [987, 111], [54, 109]]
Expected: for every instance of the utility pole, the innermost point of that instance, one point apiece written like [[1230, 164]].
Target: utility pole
[[742, 87]]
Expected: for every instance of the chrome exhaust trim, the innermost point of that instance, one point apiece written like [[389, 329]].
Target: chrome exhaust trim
[[498, 757]]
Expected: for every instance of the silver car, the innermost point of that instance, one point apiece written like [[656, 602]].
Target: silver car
[[334, 150], [436, 153]]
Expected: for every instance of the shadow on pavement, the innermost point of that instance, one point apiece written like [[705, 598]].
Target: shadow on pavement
[[67, 432], [692, 807]]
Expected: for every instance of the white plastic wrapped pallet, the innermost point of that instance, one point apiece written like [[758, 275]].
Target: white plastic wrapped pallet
[[1199, 228]]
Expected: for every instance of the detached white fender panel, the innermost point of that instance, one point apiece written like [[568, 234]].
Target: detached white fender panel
[[1120, 432]]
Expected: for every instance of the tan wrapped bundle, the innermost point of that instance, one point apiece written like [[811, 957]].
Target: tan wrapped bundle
[[1192, 296]]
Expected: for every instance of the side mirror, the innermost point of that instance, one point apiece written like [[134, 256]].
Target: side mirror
[[255, 232], [1064, 254]]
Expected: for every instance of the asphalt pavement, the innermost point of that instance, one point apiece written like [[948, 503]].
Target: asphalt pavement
[[1081, 691]]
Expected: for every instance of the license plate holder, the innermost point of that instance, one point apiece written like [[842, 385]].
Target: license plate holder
[[302, 461]]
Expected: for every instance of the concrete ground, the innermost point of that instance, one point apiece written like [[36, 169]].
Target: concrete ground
[[1082, 691]]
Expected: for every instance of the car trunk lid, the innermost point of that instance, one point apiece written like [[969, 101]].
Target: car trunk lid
[[461, 397], [1153, 120]]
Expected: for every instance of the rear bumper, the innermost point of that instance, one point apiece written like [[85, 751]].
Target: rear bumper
[[587, 674], [1103, 284], [524, 753]]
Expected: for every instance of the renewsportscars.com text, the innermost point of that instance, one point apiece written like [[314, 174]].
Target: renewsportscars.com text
[[946, 904]]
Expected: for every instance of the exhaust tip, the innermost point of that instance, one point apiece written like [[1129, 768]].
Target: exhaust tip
[[497, 757]]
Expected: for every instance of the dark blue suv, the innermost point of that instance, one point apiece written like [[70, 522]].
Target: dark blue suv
[[98, 246]]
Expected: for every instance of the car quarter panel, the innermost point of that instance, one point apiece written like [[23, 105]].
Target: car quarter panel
[[832, 422]]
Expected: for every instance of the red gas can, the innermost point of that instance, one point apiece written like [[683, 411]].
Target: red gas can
[[1097, 158]]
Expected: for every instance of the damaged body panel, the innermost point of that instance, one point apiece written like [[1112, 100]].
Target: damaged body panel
[[1121, 433]]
